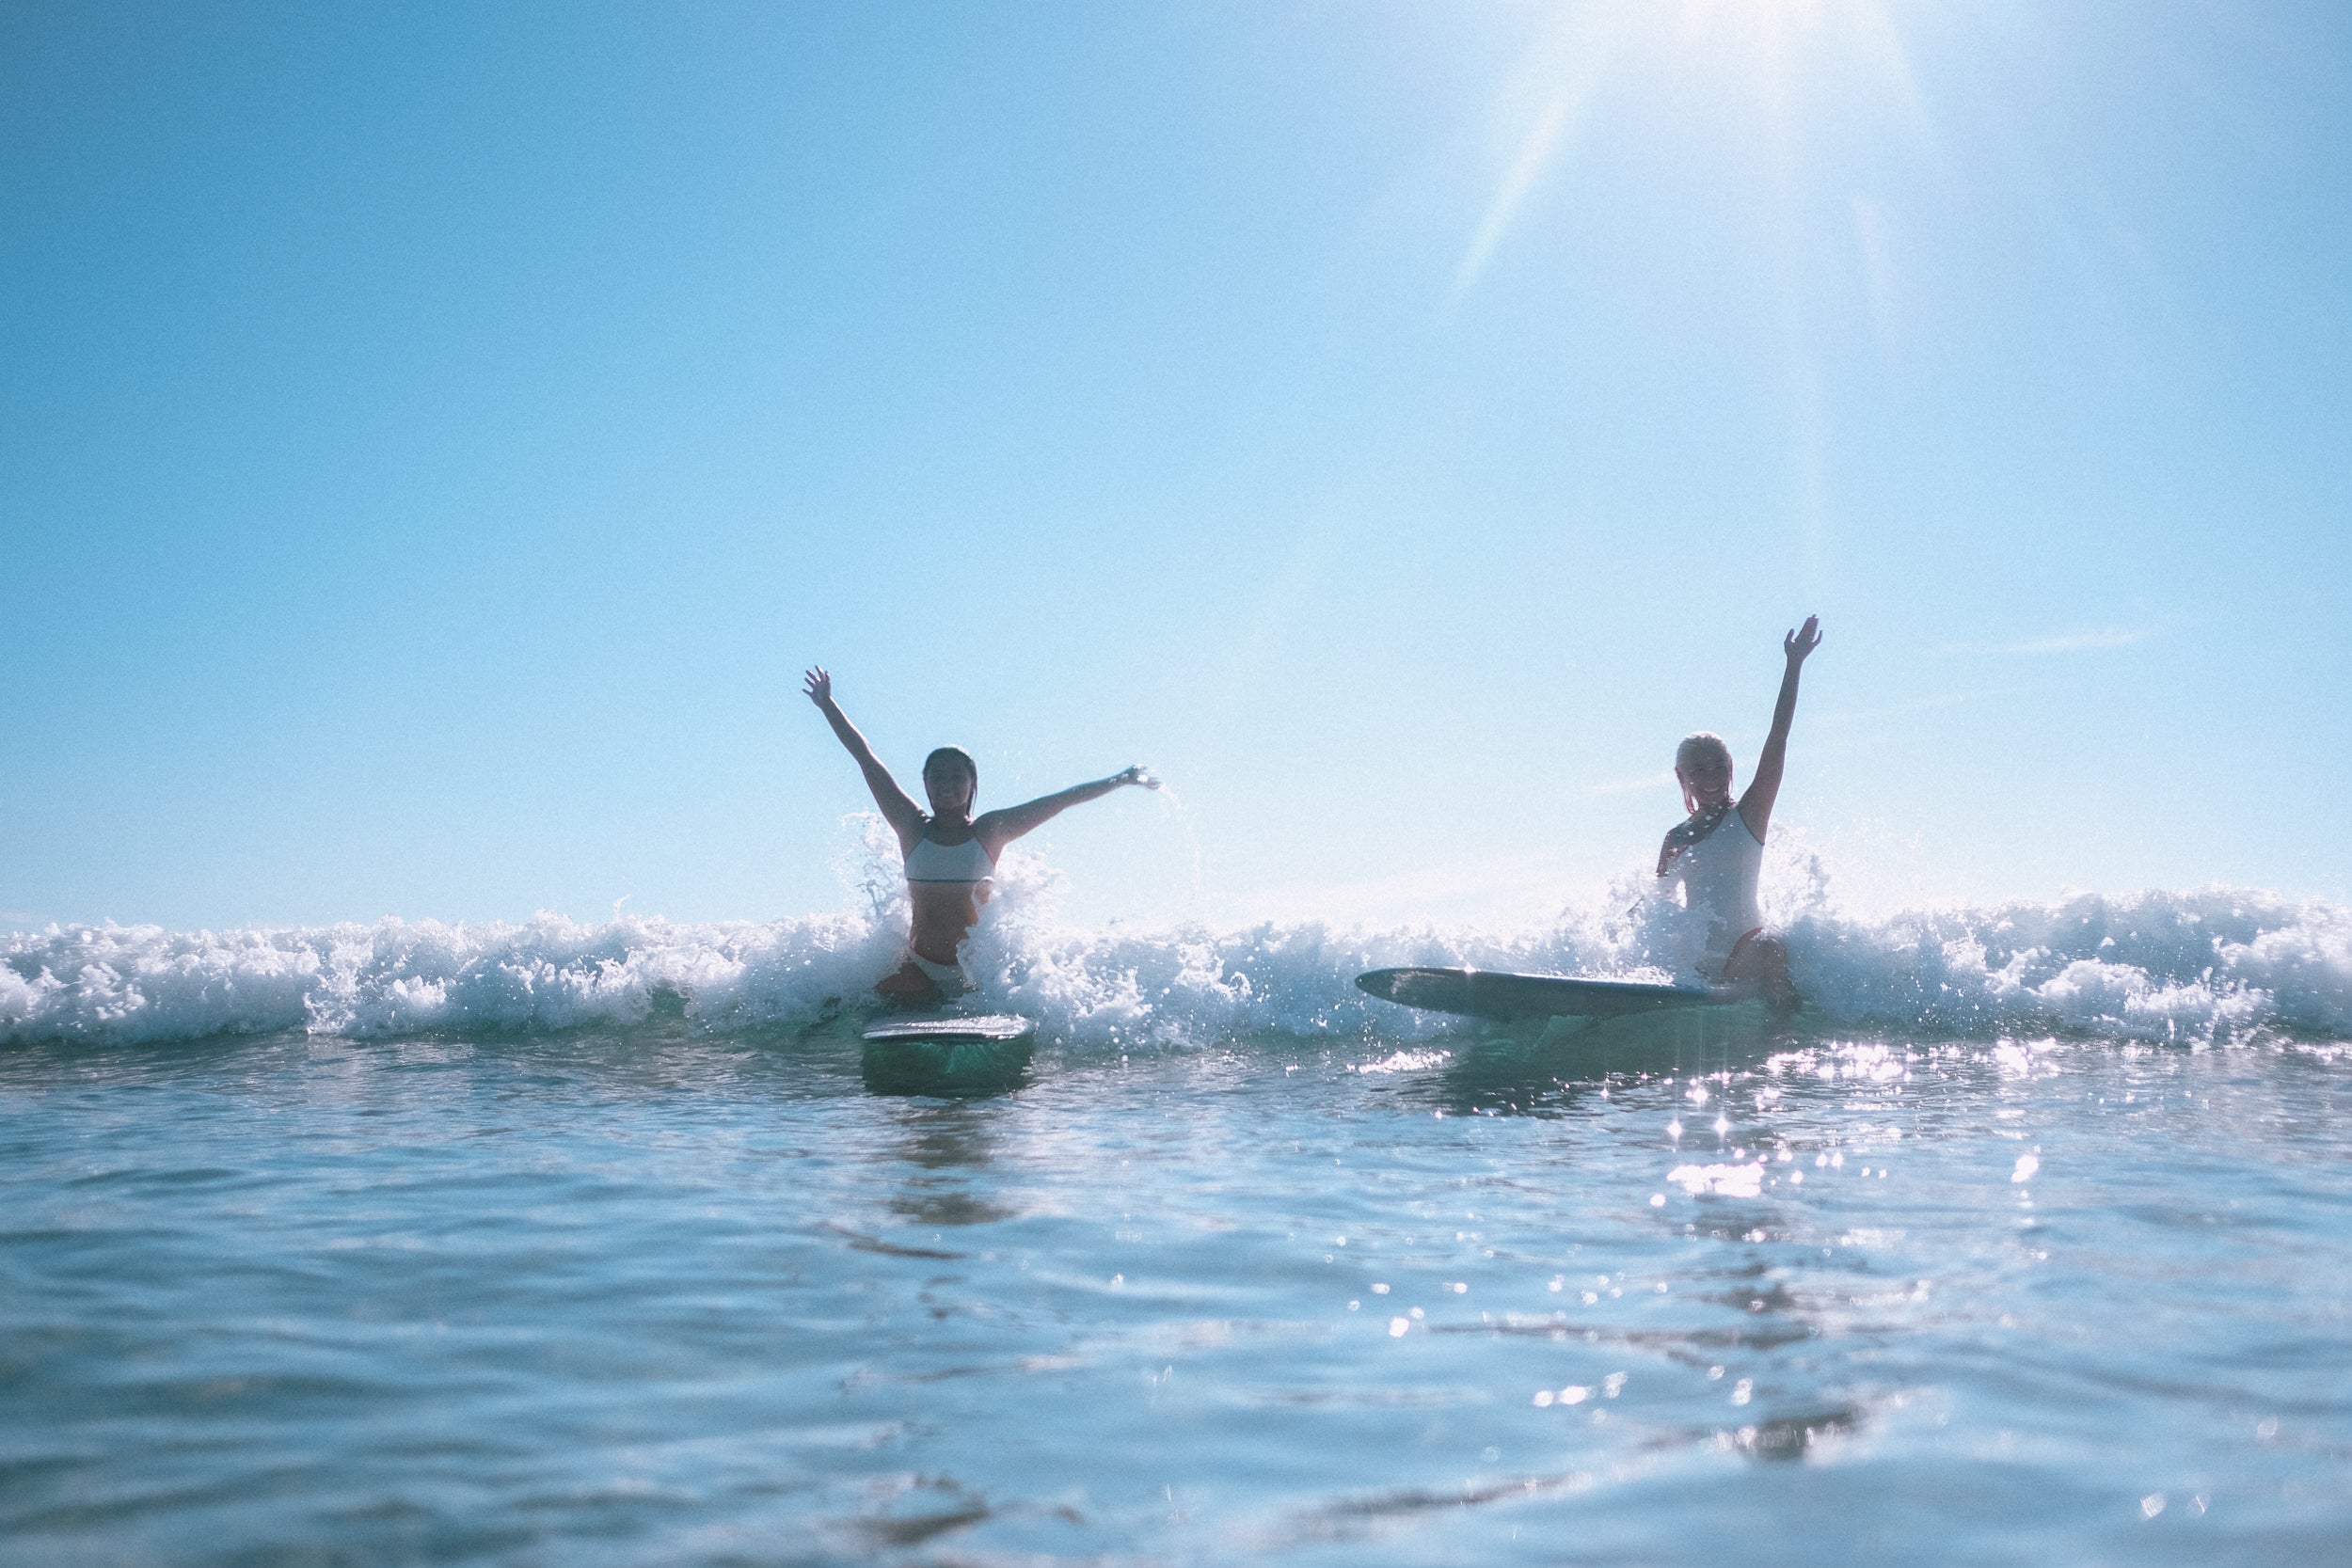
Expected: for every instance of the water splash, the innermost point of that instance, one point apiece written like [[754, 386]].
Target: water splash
[[2190, 967]]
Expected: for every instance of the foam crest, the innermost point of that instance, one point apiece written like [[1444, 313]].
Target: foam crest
[[2202, 965], [133, 984], [2193, 965]]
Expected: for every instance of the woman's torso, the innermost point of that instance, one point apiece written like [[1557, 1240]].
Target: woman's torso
[[1719, 875], [946, 884]]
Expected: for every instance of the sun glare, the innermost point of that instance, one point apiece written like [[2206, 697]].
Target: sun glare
[[1766, 56]]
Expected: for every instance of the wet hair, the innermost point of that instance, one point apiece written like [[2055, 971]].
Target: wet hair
[[1702, 743], [955, 756]]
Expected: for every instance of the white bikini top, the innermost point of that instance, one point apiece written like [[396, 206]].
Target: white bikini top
[[967, 861], [1719, 875]]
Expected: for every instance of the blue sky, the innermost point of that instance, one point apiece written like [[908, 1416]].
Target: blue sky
[[438, 437]]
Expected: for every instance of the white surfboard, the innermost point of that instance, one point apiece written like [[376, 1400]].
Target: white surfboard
[[947, 1031]]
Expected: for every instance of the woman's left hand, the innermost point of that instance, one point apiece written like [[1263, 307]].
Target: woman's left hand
[[1135, 775]]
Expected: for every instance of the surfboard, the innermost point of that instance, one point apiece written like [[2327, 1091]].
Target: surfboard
[[951, 1057], [1506, 997], [998, 1027]]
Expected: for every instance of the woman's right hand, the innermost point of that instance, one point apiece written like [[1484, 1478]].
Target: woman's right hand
[[1136, 775], [1803, 641], [819, 685]]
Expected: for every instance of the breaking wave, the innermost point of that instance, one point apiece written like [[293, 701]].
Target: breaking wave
[[2204, 965]]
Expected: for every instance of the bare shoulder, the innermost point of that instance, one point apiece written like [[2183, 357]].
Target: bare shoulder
[[1677, 840]]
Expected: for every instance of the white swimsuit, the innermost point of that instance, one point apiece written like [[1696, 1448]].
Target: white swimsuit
[[1719, 875], [929, 862]]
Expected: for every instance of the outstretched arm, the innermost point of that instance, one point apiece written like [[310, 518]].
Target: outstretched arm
[[904, 817], [997, 828], [1755, 806]]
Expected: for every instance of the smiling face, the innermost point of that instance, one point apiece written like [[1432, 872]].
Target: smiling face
[[1705, 782], [1703, 767], [951, 782]]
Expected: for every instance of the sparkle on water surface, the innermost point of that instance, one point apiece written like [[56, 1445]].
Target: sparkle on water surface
[[661, 1295]]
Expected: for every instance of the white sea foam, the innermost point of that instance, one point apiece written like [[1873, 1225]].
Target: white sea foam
[[2191, 966]]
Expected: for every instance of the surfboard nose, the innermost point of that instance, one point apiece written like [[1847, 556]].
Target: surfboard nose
[[950, 1059]]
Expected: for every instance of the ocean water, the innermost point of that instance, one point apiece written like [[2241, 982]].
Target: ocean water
[[585, 1243]]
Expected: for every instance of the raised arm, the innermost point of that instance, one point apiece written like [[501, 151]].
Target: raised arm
[[997, 828], [1755, 806], [897, 808]]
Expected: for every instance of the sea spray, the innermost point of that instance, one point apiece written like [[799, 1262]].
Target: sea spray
[[2194, 967], [2199, 966]]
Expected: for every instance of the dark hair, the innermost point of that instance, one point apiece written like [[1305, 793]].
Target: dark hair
[[958, 756]]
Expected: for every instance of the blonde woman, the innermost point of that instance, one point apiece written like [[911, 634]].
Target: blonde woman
[[1717, 852]]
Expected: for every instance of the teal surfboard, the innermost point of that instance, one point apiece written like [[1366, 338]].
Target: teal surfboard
[[1509, 998], [951, 1057]]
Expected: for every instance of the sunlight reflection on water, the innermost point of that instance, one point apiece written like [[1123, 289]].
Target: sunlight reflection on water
[[669, 1296]]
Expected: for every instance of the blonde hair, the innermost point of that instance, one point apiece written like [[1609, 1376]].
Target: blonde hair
[[1702, 743]]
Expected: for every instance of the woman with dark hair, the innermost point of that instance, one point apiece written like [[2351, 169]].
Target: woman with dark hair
[[950, 854]]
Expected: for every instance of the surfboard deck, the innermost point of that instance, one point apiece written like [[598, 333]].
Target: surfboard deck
[[982, 1026], [947, 1057], [1508, 998]]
